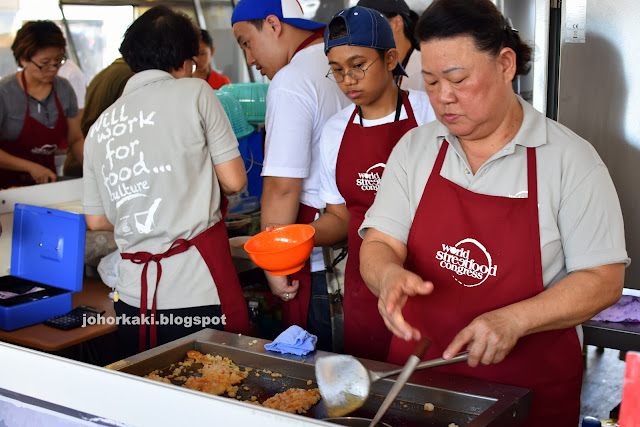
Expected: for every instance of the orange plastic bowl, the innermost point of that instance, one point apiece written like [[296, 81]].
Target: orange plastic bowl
[[283, 250]]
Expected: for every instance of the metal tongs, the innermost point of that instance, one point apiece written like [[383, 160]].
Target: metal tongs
[[345, 383]]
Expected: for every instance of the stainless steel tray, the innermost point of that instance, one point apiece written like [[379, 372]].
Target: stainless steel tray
[[463, 401]]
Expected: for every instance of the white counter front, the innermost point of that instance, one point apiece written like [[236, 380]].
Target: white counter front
[[116, 398]]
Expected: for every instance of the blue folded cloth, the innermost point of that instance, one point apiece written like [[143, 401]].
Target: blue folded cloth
[[294, 340]]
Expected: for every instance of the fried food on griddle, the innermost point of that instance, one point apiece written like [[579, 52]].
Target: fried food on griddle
[[218, 374], [154, 376], [293, 400]]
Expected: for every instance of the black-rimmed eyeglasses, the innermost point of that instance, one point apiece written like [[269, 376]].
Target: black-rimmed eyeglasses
[[50, 67], [354, 73]]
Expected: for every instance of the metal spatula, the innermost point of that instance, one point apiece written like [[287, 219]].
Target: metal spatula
[[345, 383]]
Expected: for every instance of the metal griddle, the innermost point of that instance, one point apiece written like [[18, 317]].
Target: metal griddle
[[458, 400]]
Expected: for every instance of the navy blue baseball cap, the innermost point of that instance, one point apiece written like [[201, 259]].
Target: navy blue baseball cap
[[365, 28], [289, 11]]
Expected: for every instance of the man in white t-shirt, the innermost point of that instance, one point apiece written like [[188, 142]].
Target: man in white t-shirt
[[288, 49]]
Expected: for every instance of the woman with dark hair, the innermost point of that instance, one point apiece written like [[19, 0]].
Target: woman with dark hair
[[158, 163], [403, 22], [204, 71], [495, 229], [38, 109]]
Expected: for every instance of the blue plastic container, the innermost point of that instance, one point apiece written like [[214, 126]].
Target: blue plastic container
[[47, 252], [251, 151]]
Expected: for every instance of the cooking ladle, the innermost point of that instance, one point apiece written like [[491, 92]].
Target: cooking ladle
[[345, 383]]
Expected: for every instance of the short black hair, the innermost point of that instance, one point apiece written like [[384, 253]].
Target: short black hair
[[160, 39], [258, 23], [206, 38], [479, 19], [34, 36]]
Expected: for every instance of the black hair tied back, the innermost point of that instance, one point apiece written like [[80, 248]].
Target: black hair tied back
[[479, 19]]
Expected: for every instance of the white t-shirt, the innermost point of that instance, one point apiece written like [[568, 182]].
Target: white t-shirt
[[73, 73], [334, 130], [415, 80], [300, 99]]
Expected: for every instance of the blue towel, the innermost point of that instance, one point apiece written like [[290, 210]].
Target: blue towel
[[294, 340]]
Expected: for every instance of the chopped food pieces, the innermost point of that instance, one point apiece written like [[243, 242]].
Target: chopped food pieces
[[220, 375], [429, 407], [293, 400], [154, 376]]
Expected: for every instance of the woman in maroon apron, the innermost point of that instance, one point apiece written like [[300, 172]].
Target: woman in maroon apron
[[365, 69], [27, 156], [470, 275]]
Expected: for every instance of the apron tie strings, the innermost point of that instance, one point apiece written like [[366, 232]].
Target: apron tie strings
[[177, 247]]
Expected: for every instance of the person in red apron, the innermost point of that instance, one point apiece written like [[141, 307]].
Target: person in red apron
[[364, 67], [164, 196], [28, 144], [287, 48], [485, 252]]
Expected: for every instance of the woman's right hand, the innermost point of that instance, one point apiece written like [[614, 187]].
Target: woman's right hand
[[396, 286], [41, 174], [282, 286]]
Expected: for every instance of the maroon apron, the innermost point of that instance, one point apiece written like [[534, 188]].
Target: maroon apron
[[213, 245], [295, 311], [363, 153], [36, 143], [482, 253]]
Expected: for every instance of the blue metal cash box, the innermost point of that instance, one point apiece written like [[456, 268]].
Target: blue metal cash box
[[47, 265]]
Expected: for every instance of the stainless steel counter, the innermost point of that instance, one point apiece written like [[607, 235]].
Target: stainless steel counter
[[457, 400]]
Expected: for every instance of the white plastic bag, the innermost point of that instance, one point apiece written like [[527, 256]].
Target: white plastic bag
[[108, 268]]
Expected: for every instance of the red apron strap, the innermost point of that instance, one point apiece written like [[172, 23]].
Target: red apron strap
[[317, 34], [179, 246], [213, 245]]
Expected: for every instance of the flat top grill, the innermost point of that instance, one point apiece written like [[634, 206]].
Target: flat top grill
[[458, 400]]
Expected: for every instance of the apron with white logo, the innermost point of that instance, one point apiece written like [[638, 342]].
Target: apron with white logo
[[361, 160], [481, 253]]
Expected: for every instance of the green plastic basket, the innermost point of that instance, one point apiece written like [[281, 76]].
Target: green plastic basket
[[235, 113], [252, 98]]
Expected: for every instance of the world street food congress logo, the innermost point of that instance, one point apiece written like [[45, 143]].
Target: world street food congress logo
[[469, 260]]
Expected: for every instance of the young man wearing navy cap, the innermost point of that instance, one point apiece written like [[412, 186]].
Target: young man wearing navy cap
[[288, 49], [356, 143]]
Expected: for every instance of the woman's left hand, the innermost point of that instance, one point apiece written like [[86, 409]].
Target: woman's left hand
[[489, 338]]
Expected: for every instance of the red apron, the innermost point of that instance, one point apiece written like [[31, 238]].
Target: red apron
[[363, 153], [36, 143], [295, 311], [213, 245], [483, 252]]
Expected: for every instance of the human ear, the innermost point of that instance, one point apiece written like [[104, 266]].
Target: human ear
[[273, 22], [397, 24], [506, 60], [391, 59]]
